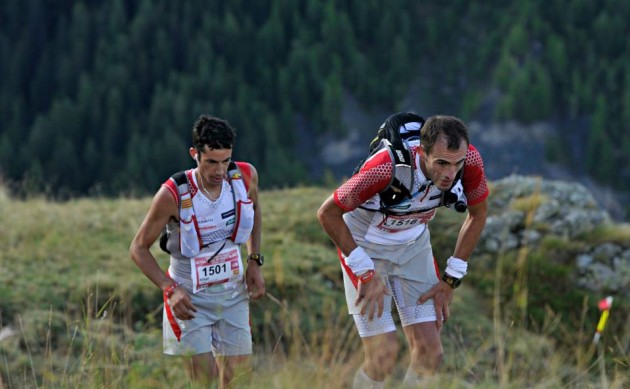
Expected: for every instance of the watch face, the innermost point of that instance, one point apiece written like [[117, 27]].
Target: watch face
[[451, 281], [259, 258]]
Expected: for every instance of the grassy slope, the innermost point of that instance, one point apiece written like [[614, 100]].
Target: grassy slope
[[82, 314]]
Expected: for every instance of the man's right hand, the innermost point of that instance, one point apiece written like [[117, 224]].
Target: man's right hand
[[372, 294], [181, 305]]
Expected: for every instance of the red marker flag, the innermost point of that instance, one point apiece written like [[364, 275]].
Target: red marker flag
[[604, 306]]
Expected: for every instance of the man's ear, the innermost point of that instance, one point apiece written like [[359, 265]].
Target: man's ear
[[193, 153]]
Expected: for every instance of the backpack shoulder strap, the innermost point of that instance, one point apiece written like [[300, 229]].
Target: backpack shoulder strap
[[180, 179], [233, 172], [244, 169]]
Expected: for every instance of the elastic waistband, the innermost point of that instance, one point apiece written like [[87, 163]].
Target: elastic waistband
[[217, 291]]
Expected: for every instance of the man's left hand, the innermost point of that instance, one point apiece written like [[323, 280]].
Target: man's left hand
[[442, 295], [255, 281]]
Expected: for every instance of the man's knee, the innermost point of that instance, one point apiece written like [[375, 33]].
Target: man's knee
[[425, 347], [203, 368], [235, 369], [427, 358], [380, 361]]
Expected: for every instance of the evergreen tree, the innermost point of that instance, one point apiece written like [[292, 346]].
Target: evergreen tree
[[107, 76], [600, 150]]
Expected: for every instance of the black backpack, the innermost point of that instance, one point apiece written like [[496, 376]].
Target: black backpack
[[388, 135], [180, 179]]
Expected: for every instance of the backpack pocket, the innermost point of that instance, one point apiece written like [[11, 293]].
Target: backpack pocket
[[244, 221], [189, 239]]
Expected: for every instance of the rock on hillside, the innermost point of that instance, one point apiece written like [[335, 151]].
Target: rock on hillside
[[524, 209]]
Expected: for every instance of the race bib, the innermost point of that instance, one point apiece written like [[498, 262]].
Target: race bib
[[397, 223], [397, 229], [394, 223], [210, 269]]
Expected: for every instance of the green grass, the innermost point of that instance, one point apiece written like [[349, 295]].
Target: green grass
[[82, 315], [618, 233]]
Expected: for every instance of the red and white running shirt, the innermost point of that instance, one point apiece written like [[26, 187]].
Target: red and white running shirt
[[361, 190]]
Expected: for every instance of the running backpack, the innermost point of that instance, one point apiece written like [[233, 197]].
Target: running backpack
[[181, 180], [395, 132], [389, 135]]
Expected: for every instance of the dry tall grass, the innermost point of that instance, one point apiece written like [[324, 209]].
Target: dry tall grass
[[76, 312]]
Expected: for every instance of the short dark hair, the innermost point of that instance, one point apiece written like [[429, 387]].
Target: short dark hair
[[214, 132], [453, 129]]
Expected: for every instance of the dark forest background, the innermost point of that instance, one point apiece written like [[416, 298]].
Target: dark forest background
[[98, 97]]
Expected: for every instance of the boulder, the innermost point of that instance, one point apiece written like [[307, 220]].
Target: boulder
[[524, 209]]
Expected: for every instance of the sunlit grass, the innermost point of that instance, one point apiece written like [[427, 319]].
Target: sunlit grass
[[529, 203], [618, 233]]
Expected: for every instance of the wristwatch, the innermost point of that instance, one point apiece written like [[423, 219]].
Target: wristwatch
[[451, 281], [259, 258]]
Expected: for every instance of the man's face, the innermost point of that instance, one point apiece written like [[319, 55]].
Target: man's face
[[212, 163], [442, 164]]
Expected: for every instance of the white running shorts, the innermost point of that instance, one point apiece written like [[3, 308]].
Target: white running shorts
[[408, 272], [221, 325]]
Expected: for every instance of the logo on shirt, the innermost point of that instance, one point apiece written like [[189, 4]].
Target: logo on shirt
[[227, 214], [401, 206]]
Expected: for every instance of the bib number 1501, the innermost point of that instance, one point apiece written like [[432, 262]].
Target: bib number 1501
[[212, 270]]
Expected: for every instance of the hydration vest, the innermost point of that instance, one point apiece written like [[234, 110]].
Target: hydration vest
[[395, 134], [189, 234]]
